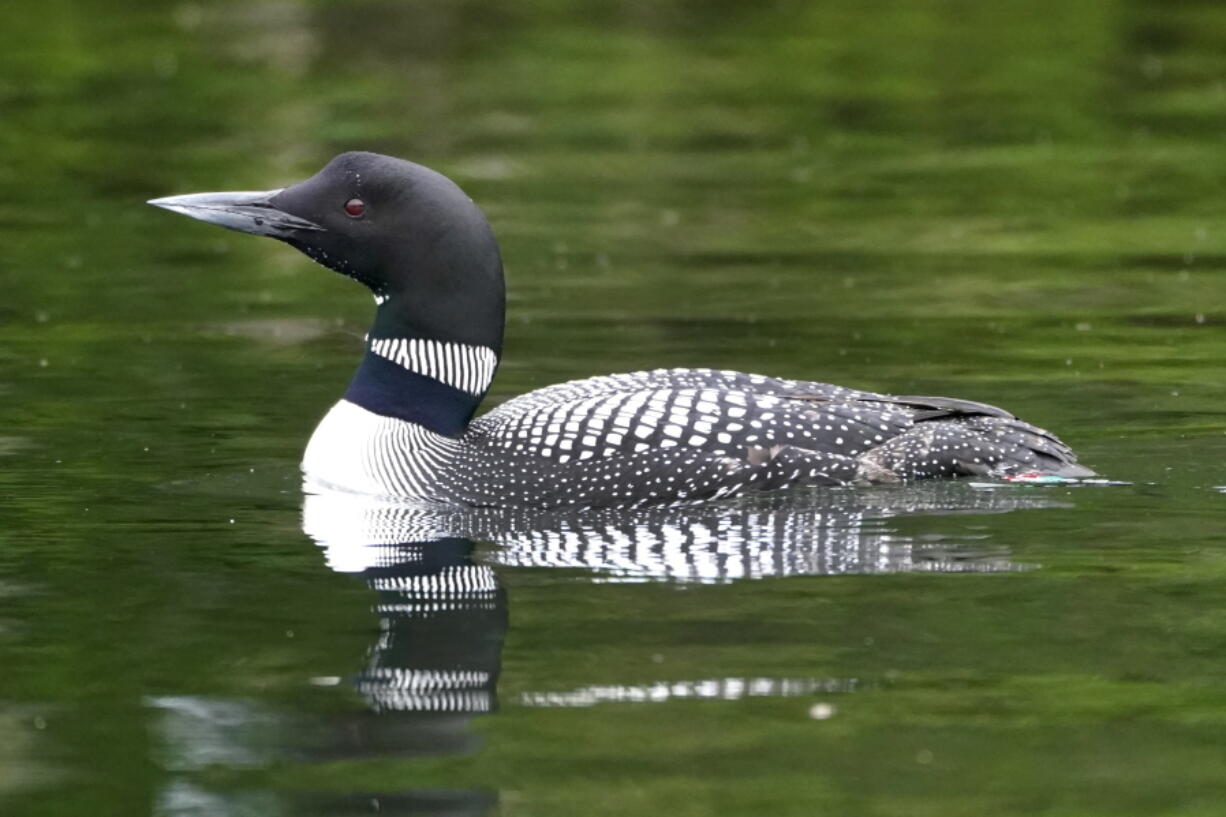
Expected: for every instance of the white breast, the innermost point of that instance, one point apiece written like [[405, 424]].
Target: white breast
[[356, 450]]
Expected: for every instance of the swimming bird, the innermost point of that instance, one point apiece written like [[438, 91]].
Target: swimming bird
[[405, 429]]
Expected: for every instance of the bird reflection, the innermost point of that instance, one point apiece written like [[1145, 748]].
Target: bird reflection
[[433, 667], [443, 612], [823, 532], [443, 617], [442, 621]]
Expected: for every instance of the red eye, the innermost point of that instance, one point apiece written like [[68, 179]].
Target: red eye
[[355, 207]]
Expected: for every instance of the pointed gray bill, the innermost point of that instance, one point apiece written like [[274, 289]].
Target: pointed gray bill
[[246, 212]]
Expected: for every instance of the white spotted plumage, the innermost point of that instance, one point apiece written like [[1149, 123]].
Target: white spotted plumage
[[672, 435]]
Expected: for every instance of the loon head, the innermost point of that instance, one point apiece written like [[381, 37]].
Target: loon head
[[412, 236]]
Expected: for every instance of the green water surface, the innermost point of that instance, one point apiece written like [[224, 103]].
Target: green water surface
[[1019, 202]]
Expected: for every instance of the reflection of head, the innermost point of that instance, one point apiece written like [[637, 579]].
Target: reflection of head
[[442, 622]]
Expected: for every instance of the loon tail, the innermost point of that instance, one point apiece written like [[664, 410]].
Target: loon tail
[[952, 438]]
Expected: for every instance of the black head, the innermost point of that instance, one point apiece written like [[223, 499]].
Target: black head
[[408, 233]]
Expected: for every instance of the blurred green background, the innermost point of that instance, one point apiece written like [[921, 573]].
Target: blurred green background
[[1018, 202]]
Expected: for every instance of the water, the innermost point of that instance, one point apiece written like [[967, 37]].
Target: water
[[1015, 202]]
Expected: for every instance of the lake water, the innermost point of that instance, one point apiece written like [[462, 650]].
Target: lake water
[[1013, 202]]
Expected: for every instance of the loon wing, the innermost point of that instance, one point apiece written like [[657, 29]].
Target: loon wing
[[686, 434]]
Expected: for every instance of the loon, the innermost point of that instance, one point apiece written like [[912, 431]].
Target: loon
[[405, 429]]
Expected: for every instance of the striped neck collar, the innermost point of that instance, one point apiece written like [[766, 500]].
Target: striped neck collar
[[459, 365], [435, 384]]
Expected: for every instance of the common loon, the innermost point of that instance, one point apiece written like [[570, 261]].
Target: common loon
[[405, 429]]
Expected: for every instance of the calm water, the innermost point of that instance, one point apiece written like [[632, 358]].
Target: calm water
[[1015, 202]]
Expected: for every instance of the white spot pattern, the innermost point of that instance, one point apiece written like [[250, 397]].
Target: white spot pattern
[[667, 436]]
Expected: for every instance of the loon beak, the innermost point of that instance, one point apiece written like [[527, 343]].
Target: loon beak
[[245, 212]]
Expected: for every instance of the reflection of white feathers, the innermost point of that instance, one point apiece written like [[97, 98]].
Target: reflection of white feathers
[[818, 532], [197, 732], [709, 689], [450, 587], [405, 689]]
